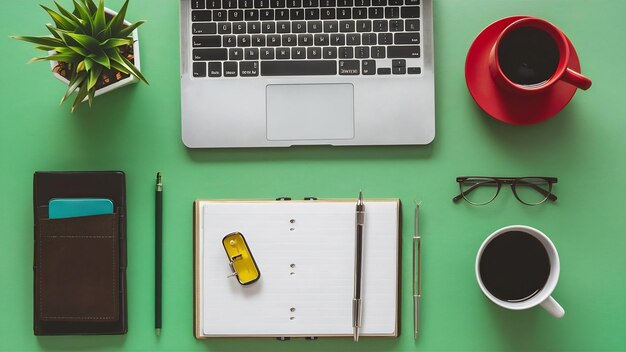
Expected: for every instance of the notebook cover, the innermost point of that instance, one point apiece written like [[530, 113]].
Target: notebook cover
[[79, 262]]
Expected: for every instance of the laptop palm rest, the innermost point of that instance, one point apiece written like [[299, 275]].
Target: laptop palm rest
[[309, 112]]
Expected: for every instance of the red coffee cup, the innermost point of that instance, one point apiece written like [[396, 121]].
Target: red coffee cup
[[530, 55]]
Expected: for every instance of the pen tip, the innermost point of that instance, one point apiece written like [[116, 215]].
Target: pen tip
[[158, 332], [356, 334]]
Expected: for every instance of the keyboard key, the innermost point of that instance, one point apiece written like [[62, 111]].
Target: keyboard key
[[258, 40], [229, 4], [276, 4], [298, 27], [254, 27], [199, 69], [320, 39], [209, 54], [311, 3], [283, 27], [298, 68], [396, 25], [398, 62], [362, 52], [294, 3], [406, 38], [368, 39], [204, 28], [252, 54], [398, 70], [330, 52], [282, 53], [337, 39], [267, 15], [331, 26], [380, 26], [220, 15], [273, 40], [353, 39], [346, 52], [412, 25], [289, 40], [344, 13], [296, 14], [384, 71], [392, 12], [368, 67], [378, 52], [243, 40], [403, 52], [327, 14], [359, 13], [215, 69], [261, 4], [349, 67], [312, 14], [363, 26], [267, 54], [206, 41], [414, 70], [235, 15], [268, 27], [235, 54], [305, 39], [395, 3], [328, 3], [346, 26], [410, 12], [251, 15], [239, 28], [361, 2], [246, 4], [379, 2], [412, 2], [376, 12], [201, 16], [313, 53], [230, 69], [314, 26], [385, 38], [197, 4], [213, 4], [229, 41], [345, 3], [224, 28], [281, 14], [298, 53]]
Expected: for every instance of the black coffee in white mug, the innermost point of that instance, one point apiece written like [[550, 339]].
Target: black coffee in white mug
[[517, 267], [528, 56]]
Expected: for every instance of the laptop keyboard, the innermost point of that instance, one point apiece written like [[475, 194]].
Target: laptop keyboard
[[252, 38]]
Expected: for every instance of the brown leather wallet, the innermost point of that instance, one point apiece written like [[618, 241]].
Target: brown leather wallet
[[80, 262]]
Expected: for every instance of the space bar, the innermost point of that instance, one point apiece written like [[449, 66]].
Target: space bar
[[298, 68]]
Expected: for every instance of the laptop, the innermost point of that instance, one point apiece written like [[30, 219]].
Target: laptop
[[279, 73]]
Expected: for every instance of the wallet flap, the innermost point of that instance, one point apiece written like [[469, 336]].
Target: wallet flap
[[78, 276]]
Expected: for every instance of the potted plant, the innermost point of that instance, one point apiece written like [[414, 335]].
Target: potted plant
[[92, 49]]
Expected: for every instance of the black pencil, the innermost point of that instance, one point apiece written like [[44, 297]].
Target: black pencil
[[158, 251]]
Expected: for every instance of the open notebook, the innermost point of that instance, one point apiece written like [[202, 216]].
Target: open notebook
[[305, 253]]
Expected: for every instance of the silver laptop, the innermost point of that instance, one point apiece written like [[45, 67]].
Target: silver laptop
[[276, 73]]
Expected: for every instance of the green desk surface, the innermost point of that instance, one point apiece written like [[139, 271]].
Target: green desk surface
[[137, 130]]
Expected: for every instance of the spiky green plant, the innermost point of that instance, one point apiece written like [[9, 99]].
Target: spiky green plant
[[88, 43]]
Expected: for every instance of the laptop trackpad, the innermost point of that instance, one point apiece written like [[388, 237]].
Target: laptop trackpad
[[310, 111]]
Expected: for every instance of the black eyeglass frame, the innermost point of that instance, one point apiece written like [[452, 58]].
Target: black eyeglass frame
[[513, 182]]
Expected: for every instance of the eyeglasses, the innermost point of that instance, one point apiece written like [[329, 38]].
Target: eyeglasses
[[478, 190]]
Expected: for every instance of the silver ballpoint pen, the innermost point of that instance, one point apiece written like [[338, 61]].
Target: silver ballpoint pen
[[417, 272], [358, 267]]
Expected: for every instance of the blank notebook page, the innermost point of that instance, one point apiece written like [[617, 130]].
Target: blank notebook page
[[305, 253]]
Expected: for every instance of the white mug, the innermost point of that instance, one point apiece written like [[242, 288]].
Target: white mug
[[543, 297]]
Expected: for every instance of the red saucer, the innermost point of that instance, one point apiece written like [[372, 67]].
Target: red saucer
[[507, 106]]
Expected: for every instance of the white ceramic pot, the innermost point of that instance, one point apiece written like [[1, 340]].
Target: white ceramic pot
[[126, 81]]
